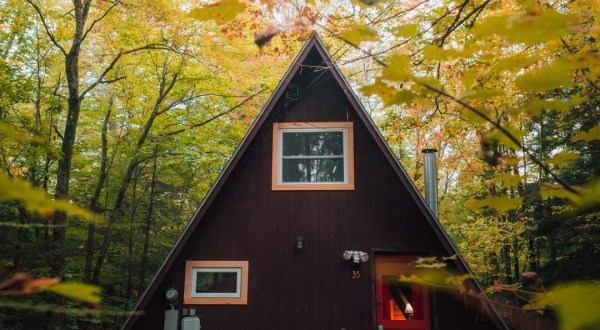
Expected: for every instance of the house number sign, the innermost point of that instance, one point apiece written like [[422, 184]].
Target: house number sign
[[356, 274]]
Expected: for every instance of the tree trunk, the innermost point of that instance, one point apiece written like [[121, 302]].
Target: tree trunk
[[130, 240], [165, 87], [505, 257], [95, 200], [148, 227], [63, 176]]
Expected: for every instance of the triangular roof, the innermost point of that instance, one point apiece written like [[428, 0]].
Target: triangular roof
[[314, 43]]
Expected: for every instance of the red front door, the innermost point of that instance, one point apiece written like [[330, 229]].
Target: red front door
[[400, 305]]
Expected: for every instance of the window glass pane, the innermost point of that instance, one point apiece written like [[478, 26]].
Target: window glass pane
[[401, 301], [216, 282], [313, 170], [313, 143]]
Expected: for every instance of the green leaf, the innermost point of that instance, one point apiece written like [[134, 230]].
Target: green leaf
[[577, 303], [406, 31], [501, 204], [563, 157], [222, 11], [589, 135], [358, 33], [77, 291]]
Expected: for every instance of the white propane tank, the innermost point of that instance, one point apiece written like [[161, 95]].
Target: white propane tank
[[191, 322]]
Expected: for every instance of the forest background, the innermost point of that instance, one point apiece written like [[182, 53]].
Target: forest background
[[125, 112]]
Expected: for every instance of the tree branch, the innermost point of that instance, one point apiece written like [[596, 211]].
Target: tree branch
[[215, 116], [479, 113], [510, 136], [47, 28], [101, 80], [114, 4]]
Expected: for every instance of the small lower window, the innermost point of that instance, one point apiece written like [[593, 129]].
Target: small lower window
[[313, 156], [216, 282]]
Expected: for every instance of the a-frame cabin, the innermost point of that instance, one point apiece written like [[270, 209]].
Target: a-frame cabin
[[312, 184]]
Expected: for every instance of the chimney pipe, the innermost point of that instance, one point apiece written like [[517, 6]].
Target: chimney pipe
[[430, 177]]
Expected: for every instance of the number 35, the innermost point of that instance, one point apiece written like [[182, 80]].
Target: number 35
[[356, 274]]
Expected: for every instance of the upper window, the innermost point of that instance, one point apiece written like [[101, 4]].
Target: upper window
[[313, 156]]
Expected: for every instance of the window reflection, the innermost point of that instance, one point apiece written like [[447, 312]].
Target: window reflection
[[313, 156], [401, 301]]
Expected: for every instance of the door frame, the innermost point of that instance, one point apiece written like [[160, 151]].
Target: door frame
[[401, 254]]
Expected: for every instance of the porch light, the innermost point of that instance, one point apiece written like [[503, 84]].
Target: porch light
[[356, 256]]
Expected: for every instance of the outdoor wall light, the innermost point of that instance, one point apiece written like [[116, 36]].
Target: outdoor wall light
[[356, 256], [299, 243]]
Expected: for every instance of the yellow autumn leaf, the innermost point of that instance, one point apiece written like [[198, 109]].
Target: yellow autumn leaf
[[550, 76], [481, 94], [401, 97], [357, 33], [563, 157], [397, 69], [501, 204], [16, 135], [507, 179], [223, 11], [36, 200], [531, 27], [406, 31], [589, 135], [518, 62], [432, 52], [377, 88], [77, 291], [577, 304], [549, 191], [504, 139], [364, 3], [536, 106]]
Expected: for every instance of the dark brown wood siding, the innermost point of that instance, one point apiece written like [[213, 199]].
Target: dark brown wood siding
[[310, 288]]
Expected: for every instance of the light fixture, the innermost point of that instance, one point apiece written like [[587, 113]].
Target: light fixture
[[356, 256], [408, 311], [299, 243], [171, 294]]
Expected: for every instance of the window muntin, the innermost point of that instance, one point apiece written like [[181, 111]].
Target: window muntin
[[313, 156], [216, 282]]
